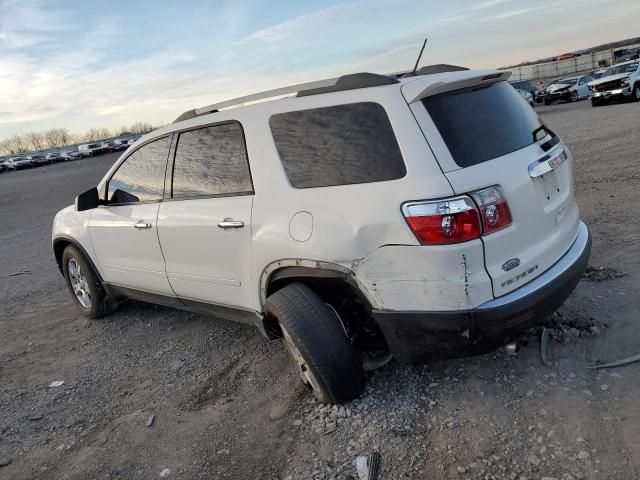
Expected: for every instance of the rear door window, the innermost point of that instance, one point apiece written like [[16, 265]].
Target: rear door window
[[140, 178], [481, 123], [338, 145], [211, 161]]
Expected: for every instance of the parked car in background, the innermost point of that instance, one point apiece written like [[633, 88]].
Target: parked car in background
[[272, 215], [72, 155], [108, 146], [90, 149], [527, 96], [18, 163], [120, 144], [597, 73], [569, 89], [54, 157], [620, 82], [38, 159], [527, 86], [3, 167]]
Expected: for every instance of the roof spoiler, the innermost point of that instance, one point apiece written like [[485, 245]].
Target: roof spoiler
[[426, 87]]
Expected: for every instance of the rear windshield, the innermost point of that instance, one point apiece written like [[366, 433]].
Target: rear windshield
[[482, 123]]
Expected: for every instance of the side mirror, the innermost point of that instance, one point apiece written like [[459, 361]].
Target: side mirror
[[87, 200]]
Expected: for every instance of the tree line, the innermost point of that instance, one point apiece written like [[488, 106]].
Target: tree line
[[60, 137]]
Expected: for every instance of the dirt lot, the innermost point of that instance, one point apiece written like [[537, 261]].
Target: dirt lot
[[227, 403]]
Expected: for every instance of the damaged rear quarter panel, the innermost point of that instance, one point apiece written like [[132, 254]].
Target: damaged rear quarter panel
[[420, 278]]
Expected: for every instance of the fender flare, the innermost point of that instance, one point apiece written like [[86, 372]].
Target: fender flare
[[300, 267]]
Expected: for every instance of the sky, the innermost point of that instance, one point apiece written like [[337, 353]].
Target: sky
[[108, 63]]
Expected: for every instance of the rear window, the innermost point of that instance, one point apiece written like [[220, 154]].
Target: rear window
[[482, 123], [338, 145]]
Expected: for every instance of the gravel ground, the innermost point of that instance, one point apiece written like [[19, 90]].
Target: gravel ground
[[151, 392]]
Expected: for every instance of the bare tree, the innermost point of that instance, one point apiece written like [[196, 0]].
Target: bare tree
[[94, 134], [140, 127], [35, 140], [57, 137], [122, 131], [17, 143]]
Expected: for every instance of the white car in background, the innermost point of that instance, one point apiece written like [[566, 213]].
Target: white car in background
[[18, 163], [569, 89], [90, 149], [360, 218], [620, 82]]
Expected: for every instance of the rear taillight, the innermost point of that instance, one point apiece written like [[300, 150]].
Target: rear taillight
[[443, 222], [458, 219], [494, 209]]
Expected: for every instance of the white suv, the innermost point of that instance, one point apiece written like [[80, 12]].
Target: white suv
[[369, 216], [621, 81]]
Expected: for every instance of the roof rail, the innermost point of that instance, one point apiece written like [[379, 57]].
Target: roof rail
[[345, 82]]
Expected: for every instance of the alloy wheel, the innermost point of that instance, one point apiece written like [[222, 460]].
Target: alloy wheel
[[79, 283]]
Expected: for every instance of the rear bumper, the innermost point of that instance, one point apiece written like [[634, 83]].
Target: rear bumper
[[415, 337]]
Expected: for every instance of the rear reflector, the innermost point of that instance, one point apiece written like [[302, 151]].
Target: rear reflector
[[494, 209], [443, 222]]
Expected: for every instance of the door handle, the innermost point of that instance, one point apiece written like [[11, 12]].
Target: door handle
[[231, 223], [141, 224]]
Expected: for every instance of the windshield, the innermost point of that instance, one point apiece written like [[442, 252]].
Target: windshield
[[566, 81], [618, 69], [483, 123]]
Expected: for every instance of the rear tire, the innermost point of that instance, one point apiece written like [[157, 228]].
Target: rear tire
[[318, 344], [595, 103], [83, 283]]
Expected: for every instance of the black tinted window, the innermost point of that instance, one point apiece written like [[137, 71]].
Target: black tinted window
[[482, 123], [141, 177], [211, 161], [340, 145]]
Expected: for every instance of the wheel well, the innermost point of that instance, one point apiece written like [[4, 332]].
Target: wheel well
[[60, 244], [340, 292], [58, 250]]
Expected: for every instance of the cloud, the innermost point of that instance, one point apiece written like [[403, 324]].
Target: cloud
[[299, 26], [26, 23]]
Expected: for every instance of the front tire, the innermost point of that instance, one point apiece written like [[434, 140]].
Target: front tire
[[595, 103], [574, 97], [636, 92], [318, 344], [83, 283]]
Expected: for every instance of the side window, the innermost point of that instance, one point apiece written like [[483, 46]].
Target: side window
[[211, 161], [339, 145], [141, 177]]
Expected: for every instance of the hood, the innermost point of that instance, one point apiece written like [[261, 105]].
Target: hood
[[556, 87], [610, 78]]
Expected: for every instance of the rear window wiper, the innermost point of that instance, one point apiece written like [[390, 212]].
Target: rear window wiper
[[546, 146]]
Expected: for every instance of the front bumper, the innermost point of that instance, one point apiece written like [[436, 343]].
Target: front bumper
[[612, 94], [557, 96], [415, 337]]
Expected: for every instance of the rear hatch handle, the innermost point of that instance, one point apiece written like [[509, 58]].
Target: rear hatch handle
[[547, 163]]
